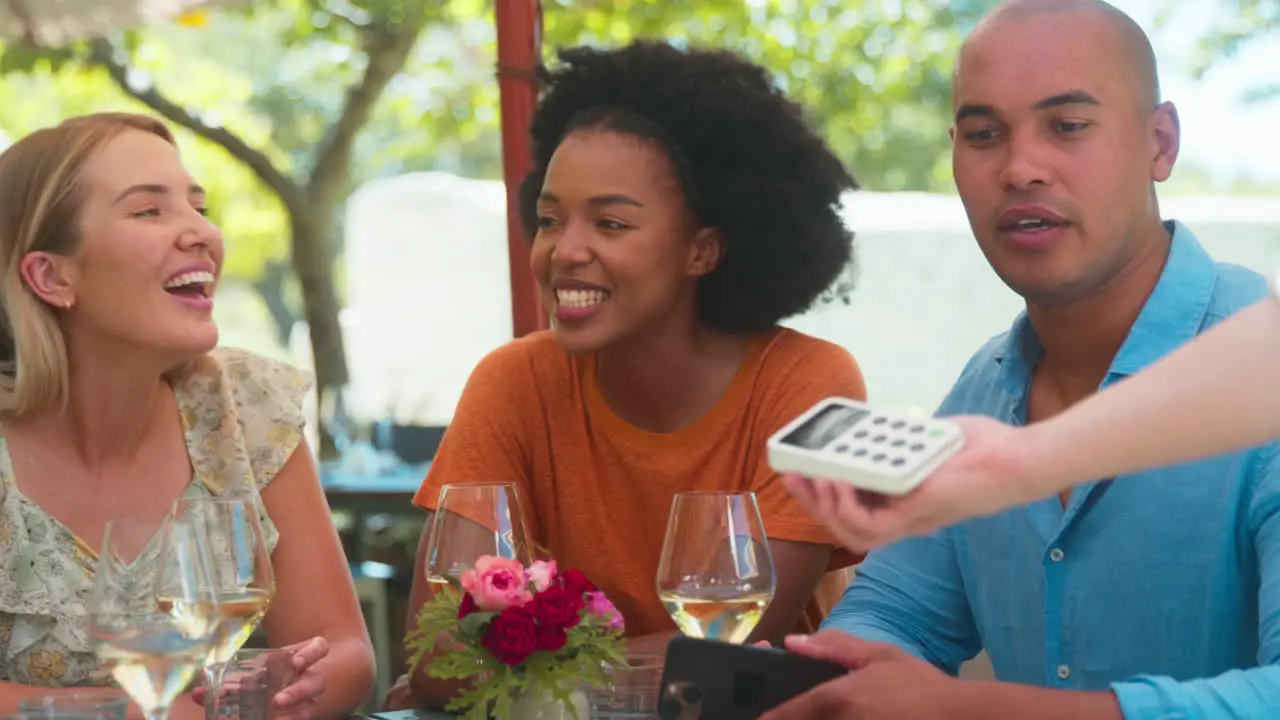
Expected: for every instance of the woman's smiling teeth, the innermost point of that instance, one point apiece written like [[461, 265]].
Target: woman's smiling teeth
[[580, 298], [198, 281]]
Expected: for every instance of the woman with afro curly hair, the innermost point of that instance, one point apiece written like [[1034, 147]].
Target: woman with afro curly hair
[[680, 207]]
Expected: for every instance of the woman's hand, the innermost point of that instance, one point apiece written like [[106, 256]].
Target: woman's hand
[[993, 472], [297, 700], [185, 707], [400, 696]]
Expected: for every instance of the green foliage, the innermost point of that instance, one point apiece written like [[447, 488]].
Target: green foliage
[[275, 74], [46, 91], [590, 648], [1236, 25], [874, 76], [434, 619]]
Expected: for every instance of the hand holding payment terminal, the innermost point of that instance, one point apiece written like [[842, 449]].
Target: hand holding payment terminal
[[845, 440]]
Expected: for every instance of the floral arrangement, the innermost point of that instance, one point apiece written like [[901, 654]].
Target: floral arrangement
[[527, 631]]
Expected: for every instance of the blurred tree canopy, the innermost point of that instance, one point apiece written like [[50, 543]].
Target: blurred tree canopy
[[286, 106], [1236, 25], [875, 76]]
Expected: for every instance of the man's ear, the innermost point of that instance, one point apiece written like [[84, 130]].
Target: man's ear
[[1166, 141]]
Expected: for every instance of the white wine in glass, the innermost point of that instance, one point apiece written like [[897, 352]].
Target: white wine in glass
[[241, 575], [151, 654], [472, 520], [715, 577]]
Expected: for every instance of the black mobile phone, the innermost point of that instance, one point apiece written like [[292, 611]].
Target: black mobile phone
[[713, 680]]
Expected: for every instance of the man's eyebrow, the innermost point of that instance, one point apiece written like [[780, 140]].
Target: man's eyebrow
[[1073, 97], [969, 110]]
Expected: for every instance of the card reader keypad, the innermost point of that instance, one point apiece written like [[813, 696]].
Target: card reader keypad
[[896, 443]]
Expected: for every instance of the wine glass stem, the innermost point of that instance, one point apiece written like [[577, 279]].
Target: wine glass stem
[[213, 674], [159, 714]]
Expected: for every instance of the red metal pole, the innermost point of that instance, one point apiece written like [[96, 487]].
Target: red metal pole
[[519, 26]]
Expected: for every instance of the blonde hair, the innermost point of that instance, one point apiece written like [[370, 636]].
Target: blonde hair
[[41, 195]]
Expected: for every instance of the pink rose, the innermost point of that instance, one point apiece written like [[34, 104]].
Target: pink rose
[[598, 604], [541, 574], [496, 583]]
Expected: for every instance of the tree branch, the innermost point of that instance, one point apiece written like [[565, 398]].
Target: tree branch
[[387, 47], [19, 10], [103, 54]]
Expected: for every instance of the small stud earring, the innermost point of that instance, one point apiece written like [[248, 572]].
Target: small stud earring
[[67, 304]]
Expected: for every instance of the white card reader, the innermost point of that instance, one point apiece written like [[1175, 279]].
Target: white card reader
[[846, 440]]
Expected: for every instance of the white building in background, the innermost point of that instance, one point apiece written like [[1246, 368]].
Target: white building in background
[[927, 299], [429, 292]]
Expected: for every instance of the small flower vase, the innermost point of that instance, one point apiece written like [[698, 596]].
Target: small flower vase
[[538, 704]]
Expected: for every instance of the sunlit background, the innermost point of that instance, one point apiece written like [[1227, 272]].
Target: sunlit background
[[382, 188]]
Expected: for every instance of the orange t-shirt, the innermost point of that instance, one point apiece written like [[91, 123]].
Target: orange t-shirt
[[597, 490]]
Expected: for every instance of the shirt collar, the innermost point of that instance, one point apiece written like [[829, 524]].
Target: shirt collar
[[1171, 316]]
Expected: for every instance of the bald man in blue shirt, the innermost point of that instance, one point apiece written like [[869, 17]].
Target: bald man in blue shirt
[[1149, 595]]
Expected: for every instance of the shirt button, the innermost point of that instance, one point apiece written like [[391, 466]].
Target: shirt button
[[1064, 672], [1055, 554]]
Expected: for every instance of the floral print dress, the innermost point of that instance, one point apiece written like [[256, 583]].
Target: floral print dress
[[242, 419]]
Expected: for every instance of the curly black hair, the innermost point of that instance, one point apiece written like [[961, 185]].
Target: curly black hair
[[747, 160]]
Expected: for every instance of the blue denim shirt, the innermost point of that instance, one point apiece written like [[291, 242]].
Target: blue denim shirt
[[1163, 586]]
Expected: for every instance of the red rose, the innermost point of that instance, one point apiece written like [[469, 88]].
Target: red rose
[[467, 606], [511, 636], [576, 583], [551, 638], [555, 607]]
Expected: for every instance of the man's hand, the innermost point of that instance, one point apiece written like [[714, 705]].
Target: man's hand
[[992, 473], [884, 683]]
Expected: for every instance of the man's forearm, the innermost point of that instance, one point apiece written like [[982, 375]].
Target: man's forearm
[[1009, 701]]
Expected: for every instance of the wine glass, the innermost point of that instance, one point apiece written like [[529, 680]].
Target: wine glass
[[715, 576], [240, 576], [472, 520], [145, 572]]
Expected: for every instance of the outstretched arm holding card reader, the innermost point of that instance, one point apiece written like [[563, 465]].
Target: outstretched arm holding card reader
[[846, 440]]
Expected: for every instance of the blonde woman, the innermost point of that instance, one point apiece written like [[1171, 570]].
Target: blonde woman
[[114, 402]]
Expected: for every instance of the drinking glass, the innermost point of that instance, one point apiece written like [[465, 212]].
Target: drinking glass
[[472, 520], [241, 577], [145, 573], [252, 678], [631, 691], [715, 576]]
